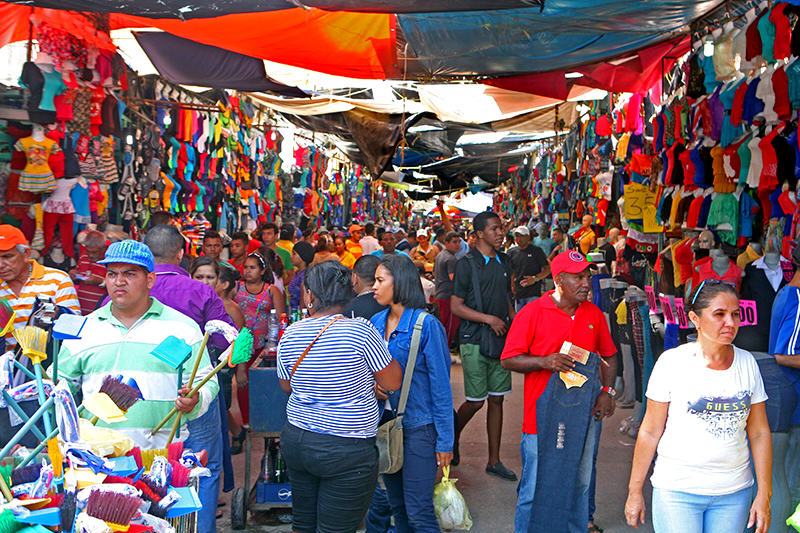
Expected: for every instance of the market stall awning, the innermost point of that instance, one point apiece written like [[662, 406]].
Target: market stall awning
[[564, 35], [186, 62]]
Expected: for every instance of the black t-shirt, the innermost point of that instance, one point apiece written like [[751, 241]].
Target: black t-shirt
[[494, 278], [364, 306], [527, 262]]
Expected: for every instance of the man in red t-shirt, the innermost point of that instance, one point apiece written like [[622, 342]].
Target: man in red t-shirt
[[533, 347], [89, 275]]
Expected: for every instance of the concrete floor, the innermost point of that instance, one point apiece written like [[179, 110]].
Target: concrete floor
[[491, 500]]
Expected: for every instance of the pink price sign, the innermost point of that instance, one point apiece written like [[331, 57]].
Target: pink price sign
[[680, 314], [666, 307], [748, 313], [651, 298]]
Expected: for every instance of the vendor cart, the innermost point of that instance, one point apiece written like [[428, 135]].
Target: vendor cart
[[267, 417]]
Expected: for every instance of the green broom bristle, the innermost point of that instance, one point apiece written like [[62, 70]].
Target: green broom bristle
[[242, 347], [9, 524]]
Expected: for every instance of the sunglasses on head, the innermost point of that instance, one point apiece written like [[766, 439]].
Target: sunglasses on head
[[710, 282]]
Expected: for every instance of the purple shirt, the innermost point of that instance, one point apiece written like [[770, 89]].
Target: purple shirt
[[176, 289]]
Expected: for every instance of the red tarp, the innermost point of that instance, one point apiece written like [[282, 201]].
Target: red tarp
[[633, 73], [358, 45]]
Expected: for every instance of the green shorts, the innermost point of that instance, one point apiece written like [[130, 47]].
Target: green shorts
[[483, 376]]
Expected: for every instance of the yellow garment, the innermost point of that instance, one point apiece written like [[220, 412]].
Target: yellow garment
[[622, 313], [347, 259], [286, 245], [673, 212], [586, 241], [622, 146], [354, 248], [747, 257]]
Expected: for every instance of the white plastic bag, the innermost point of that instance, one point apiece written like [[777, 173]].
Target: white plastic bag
[[449, 504]]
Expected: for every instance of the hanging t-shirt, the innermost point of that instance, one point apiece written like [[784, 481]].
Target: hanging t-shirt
[[754, 47], [37, 177], [704, 447], [767, 31], [744, 159], [766, 94], [754, 172], [782, 40], [769, 170]]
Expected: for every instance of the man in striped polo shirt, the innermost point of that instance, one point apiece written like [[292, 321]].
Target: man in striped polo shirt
[[118, 339], [22, 279]]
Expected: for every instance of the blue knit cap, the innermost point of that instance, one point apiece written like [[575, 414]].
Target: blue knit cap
[[130, 252]]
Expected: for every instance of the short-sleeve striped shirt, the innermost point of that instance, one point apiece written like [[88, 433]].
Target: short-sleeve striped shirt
[[49, 282], [333, 387]]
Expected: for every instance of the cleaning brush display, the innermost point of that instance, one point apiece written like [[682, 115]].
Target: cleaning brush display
[[115, 509]]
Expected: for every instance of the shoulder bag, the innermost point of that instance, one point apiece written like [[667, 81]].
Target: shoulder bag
[[490, 345], [389, 438]]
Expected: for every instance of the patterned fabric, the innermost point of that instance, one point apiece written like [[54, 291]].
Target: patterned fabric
[[37, 176], [256, 309], [81, 108]]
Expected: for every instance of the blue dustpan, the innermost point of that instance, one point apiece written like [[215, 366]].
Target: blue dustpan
[[49, 516], [68, 327], [173, 351], [189, 502], [124, 466]]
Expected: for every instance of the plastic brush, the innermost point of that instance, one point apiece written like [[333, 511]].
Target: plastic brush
[[123, 395], [175, 451], [33, 342], [68, 509], [56, 458], [26, 474], [7, 317], [240, 352], [8, 523], [116, 510], [180, 474]]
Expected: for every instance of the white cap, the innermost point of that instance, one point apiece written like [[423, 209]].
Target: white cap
[[422, 232], [522, 230]]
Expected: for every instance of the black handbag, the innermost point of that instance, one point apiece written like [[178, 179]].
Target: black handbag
[[490, 345]]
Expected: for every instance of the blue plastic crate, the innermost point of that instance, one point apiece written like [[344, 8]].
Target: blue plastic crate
[[273, 492], [267, 401]]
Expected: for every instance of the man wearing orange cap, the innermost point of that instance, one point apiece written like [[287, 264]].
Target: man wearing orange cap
[[352, 243], [22, 279]]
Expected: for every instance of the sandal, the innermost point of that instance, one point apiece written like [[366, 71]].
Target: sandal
[[238, 441], [595, 529]]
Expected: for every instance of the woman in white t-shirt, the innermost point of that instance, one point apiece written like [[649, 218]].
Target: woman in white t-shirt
[[705, 399]]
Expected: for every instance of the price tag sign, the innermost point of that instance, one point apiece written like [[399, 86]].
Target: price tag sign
[[637, 198], [748, 312], [666, 307], [651, 298], [680, 314]]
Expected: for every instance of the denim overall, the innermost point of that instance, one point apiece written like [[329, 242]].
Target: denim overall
[[566, 439]]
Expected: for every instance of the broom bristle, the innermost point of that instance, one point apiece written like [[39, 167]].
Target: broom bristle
[[242, 347], [56, 458], [32, 340], [26, 474], [180, 474], [8, 524], [175, 451], [7, 315], [68, 508], [113, 507], [157, 489], [123, 395]]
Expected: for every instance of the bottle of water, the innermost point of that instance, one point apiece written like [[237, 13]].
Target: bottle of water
[[273, 334]]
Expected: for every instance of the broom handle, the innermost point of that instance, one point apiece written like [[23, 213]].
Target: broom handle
[[38, 449], [197, 359], [190, 394], [37, 370], [5, 490]]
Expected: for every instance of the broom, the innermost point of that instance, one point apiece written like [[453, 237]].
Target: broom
[[197, 360], [241, 351], [123, 395], [33, 342]]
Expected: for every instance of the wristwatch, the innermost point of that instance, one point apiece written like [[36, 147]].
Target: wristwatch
[[611, 391]]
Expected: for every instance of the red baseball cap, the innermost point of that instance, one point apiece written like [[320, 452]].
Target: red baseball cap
[[10, 236], [571, 262]]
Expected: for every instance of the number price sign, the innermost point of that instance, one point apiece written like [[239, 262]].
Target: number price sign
[[680, 314], [637, 198], [748, 313], [666, 306], [651, 298]]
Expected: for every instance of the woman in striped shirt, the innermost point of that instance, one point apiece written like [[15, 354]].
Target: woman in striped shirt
[[332, 414]]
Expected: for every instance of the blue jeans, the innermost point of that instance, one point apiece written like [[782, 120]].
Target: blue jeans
[[793, 465], [567, 435], [593, 482], [522, 302], [411, 489], [529, 451], [682, 512], [204, 434], [379, 516]]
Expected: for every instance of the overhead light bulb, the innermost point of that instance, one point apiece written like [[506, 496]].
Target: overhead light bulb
[[708, 48]]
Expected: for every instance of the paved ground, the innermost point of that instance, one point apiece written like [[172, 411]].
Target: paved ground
[[491, 500]]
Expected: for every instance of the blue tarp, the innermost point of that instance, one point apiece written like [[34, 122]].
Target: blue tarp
[[566, 33]]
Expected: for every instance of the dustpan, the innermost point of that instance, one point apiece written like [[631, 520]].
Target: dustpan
[[49, 516], [189, 502], [68, 326], [174, 352], [124, 466]]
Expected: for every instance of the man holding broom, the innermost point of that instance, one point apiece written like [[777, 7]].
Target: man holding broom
[[118, 339]]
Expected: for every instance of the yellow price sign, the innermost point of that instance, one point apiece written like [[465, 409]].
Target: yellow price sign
[[637, 198]]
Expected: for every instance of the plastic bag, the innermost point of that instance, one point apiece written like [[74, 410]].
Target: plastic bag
[[449, 504], [794, 520]]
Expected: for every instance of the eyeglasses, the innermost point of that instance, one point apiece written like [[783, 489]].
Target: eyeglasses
[[710, 282]]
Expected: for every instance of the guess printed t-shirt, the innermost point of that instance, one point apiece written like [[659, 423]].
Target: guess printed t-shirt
[[704, 446]]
